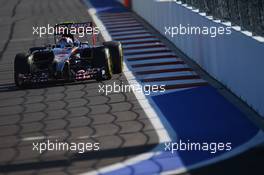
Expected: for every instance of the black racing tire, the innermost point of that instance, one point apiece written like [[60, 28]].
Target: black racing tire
[[102, 61], [21, 66], [32, 49], [66, 74], [116, 54]]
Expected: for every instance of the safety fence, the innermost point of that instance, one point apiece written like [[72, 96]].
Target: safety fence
[[249, 14], [234, 58]]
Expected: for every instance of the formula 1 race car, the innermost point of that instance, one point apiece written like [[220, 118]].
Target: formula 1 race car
[[69, 59]]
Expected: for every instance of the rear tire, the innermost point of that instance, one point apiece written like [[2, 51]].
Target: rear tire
[[116, 54], [21, 66], [102, 60]]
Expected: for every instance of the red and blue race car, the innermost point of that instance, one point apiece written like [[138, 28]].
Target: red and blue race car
[[68, 59]]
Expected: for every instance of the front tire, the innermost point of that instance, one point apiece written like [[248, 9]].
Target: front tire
[[21, 67], [102, 61], [66, 74], [116, 55]]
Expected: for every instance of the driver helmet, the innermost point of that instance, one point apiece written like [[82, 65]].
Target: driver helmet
[[65, 42]]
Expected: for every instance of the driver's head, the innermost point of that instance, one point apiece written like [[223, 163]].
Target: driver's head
[[65, 42]]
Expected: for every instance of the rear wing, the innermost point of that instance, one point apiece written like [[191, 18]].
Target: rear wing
[[71, 28]]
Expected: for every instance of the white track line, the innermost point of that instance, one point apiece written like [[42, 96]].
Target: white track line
[[146, 106]]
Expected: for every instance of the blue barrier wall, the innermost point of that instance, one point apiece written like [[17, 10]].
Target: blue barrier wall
[[234, 59]]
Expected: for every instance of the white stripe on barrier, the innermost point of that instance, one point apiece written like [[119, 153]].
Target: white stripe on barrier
[[129, 32], [225, 57], [106, 18], [126, 29], [149, 55], [171, 91], [142, 50], [162, 67], [141, 45], [133, 35], [117, 20], [170, 74], [163, 60], [139, 40], [123, 25], [175, 82], [121, 22]]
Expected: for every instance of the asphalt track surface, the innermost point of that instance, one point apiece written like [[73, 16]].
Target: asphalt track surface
[[74, 112], [69, 113]]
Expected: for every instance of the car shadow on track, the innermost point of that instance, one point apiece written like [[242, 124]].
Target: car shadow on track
[[95, 155], [8, 87]]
